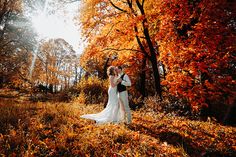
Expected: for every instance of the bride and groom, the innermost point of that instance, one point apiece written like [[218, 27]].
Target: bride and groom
[[117, 108]]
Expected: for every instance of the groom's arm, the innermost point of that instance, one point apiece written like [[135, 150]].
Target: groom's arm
[[126, 81]]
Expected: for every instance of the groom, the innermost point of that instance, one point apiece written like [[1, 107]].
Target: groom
[[122, 92]]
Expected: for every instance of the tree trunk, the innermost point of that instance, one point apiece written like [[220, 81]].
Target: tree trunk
[[153, 54], [80, 74], [55, 88], [230, 118], [143, 78], [1, 81], [156, 76], [46, 91], [51, 88], [65, 82], [76, 75], [68, 82], [105, 69], [164, 71]]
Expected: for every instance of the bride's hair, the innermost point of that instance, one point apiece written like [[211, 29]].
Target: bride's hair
[[111, 71]]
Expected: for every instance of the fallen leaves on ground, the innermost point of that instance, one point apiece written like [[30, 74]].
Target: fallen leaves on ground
[[56, 129]]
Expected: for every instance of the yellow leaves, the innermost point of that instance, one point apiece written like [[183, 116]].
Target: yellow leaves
[[42, 143], [115, 30], [81, 98], [1, 137], [212, 139], [141, 138], [136, 136], [71, 135], [12, 132], [18, 6]]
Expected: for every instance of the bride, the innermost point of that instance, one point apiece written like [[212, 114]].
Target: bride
[[113, 112]]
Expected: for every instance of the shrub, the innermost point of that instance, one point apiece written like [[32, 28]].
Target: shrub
[[92, 90], [170, 105]]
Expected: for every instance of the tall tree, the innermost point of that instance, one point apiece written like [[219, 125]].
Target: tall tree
[[16, 43], [196, 40], [121, 27], [58, 60]]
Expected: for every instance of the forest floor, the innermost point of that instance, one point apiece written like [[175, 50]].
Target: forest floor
[[56, 129]]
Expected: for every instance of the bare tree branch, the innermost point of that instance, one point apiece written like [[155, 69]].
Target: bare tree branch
[[112, 28], [143, 2], [70, 1], [130, 3], [117, 6], [117, 49], [5, 44], [140, 43]]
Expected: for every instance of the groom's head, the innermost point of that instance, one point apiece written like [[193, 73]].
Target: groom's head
[[119, 69]]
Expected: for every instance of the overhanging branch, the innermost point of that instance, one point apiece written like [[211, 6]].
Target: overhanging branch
[[118, 8], [106, 49]]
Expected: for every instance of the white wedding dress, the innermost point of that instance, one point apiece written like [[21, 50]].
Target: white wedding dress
[[112, 113]]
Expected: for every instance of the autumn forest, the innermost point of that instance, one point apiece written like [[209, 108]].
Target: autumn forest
[[180, 56]]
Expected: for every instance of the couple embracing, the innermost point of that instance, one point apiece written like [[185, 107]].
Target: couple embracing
[[117, 109]]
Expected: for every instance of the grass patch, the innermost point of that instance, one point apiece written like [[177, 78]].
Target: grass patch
[[55, 129]]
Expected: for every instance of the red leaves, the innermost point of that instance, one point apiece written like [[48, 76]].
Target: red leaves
[[202, 67], [198, 63], [209, 85]]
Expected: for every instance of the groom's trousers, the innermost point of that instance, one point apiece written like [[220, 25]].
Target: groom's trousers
[[123, 96]]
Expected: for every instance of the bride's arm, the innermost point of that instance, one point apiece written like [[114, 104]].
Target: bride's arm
[[113, 83]]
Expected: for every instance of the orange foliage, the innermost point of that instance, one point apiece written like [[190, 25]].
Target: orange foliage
[[110, 27], [197, 49], [55, 129], [193, 39]]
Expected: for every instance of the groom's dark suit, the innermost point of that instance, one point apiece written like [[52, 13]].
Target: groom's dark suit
[[121, 87]]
